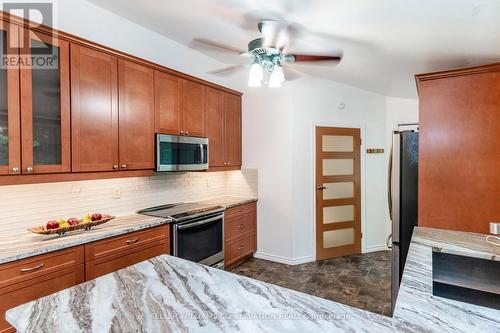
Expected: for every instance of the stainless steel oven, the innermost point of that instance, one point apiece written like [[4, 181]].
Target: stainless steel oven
[[200, 239], [181, 153]]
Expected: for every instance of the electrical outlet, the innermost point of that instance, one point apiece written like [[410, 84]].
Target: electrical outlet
[[117, 192]]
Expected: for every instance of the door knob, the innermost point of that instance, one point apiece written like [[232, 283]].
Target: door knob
[[321, 187], [29, 169]]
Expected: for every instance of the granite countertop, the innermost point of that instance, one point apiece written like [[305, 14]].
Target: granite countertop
[[27, 244], [170, 294]]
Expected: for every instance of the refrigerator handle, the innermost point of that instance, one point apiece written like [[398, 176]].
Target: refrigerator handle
[[389, 184]]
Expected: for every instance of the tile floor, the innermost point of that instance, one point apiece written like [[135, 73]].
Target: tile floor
[[362, 281]]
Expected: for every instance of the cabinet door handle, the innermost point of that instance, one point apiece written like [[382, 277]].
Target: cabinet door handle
[[321, 187], [15, 170], [241, 247], [182, 132], [124, 166], [186, 132], [29, 169], [239, 226], [34, 268], [115, 167], [132, 241]]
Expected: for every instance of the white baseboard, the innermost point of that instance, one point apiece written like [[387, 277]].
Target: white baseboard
[[283, 260], [376, 248]]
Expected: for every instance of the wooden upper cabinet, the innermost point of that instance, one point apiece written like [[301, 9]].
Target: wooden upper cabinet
[[215, 127], [232, 129], [94, 112], [136, 116], [459, 149], [168, 98], [10, 116], [193, 109], [45, 105]]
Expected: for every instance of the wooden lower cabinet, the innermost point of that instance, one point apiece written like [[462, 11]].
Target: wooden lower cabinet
[[25, 280], [240, 234], [104, 266], [111, 254]]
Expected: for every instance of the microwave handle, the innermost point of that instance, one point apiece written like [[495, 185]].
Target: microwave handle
[[202, 153]]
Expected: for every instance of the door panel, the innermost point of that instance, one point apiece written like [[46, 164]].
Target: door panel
[[215, 126], [193, 108], [94, 121], [338, 196], [136, 116], [232, 126], [10, 116], [168, 98], [45, 108]]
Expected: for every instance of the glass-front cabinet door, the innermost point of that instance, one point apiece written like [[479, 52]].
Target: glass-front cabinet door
[[45, 104], [10, 145]]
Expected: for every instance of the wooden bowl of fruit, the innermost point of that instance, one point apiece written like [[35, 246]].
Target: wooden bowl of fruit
[[62, 226]]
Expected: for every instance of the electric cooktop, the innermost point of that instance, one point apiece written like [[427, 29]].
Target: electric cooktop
[[181, 211]]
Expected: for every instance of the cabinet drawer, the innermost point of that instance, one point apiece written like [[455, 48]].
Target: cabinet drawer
[[41, 265], [94, 269], [239, 248], [238, 226], [30, 290], [240, 210], [119, 245]]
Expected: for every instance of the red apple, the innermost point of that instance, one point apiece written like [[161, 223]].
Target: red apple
[[96, 217], [72, 221], [52, 225]]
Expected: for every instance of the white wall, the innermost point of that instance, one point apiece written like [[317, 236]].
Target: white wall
[[278, 138], [399, 111]]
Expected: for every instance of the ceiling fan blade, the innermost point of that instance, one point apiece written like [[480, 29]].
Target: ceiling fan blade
[[311, 58], [226, 71], [208, 45]]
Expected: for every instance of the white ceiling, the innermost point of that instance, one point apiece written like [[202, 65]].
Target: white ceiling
[[385, 42]]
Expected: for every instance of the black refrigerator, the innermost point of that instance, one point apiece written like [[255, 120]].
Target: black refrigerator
[[403, 198]]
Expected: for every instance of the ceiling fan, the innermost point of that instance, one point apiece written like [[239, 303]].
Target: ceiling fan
[[271, 63]]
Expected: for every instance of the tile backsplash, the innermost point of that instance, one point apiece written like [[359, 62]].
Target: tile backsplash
[[22, 206]]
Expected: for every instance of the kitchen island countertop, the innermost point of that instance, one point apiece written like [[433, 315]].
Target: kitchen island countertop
[[170, 294]]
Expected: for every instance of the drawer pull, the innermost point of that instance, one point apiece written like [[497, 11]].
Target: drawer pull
[[239, 226], [32, 268], [241, 247], [132, 241]]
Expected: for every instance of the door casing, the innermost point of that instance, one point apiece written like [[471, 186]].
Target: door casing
[[362, 128]]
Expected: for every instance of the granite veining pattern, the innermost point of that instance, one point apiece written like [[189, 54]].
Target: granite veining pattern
[[168, 294], [229, 201], [27, 244]]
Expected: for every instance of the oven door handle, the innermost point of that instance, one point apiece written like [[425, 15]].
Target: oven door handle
[[195, 224]]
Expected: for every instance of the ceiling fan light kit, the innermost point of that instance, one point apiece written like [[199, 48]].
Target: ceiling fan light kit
[[269, 55]]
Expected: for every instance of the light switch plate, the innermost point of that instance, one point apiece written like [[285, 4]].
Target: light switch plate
[[117, 192]]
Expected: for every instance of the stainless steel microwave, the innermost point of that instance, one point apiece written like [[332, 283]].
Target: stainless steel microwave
[[181, 153]]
